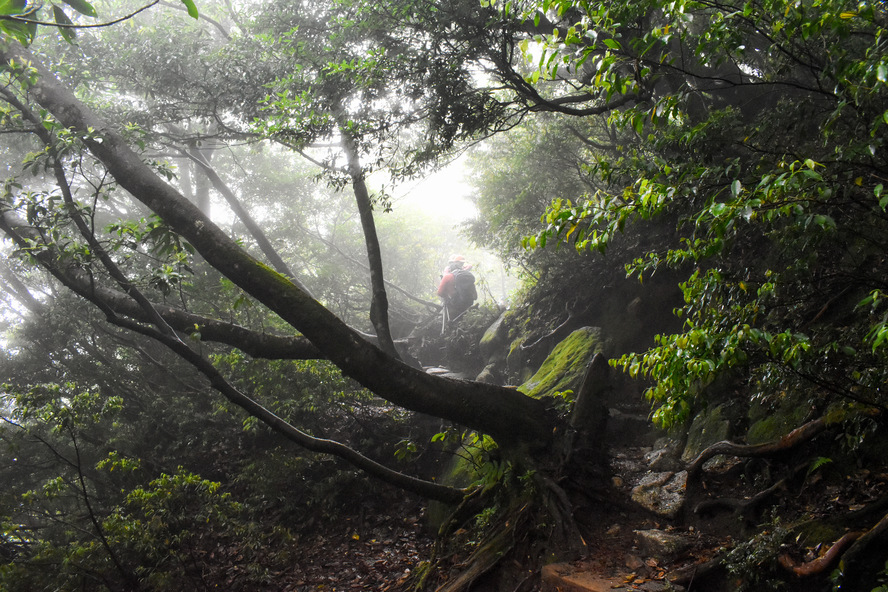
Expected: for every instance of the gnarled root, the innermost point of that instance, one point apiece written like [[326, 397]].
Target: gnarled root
[[865, 558], [747, 507], [483, 559], [823, 562], [791, 440]]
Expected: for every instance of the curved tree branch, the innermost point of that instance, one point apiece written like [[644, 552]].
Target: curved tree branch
[[254, 343], [163, 333], [507, 415], [126, 17], [426, 489]]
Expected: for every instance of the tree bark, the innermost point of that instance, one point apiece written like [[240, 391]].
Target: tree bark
[[244, 216], [798, 436], [379, 298], [507, 415]]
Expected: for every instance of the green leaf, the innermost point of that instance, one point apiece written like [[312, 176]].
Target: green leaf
[[736, 187], [717, 209], [192, 8], [62, 19], [882, 73], [8, 7], [613, 44], [82, 6], [22, 32]]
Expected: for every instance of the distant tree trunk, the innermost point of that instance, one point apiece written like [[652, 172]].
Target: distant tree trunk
[[379, 298], [252, 227], [19, 291], [202, 155]]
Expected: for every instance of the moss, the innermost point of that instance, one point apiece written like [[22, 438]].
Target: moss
[[564, 368], [816, 532], [709, 426], [769, 423]]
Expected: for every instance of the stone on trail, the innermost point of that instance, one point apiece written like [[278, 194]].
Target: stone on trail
[[663, 493], [661, 544]]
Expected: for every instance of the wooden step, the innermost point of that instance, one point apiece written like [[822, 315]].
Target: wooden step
[[563, 577]]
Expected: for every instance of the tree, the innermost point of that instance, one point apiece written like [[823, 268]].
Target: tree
[[659, 89], [801, 173], [503, 413]]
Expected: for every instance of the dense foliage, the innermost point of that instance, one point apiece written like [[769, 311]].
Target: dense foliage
[[761, 128], [738, 145]]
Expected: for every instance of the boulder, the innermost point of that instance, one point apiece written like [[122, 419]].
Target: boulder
[[495, 339], [777, 417], [662, 493], [709, 426], [662, 545], [565, 367]]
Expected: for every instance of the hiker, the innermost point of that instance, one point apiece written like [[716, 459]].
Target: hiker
[[457, 287]]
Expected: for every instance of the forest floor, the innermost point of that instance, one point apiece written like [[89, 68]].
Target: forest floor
[[380, 549], [373, 552], [617, 549]]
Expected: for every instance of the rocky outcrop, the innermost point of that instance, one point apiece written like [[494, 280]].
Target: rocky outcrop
[[564, 368]]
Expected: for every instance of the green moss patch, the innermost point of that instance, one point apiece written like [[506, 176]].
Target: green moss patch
[[564, 368]]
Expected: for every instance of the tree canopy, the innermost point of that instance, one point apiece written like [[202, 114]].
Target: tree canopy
[[736, 146]]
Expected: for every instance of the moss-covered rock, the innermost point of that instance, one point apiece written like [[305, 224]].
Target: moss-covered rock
[[564, 368], [776, 418], [709, 426], [495, 339]]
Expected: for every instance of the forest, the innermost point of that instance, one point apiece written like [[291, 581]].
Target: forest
[[226, 361]]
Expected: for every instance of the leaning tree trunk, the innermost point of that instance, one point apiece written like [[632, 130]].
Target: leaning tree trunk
[[507, 415]]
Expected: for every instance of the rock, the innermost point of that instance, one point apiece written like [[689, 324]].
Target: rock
[[708, 427], [446, 372], [662, 545], [634, 562], [661, 460], [663, 493], [495, 338], [490, 374], [566, 365], [770, 421]]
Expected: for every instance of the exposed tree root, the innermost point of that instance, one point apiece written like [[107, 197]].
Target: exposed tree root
[[855, 548], [822, 563], [747, 507], [865, 557], [483, 559], [740, 507], [788, 442], [690, 575], [566, 535]]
